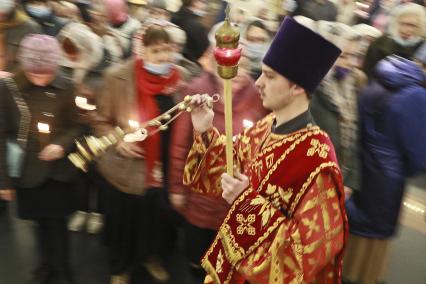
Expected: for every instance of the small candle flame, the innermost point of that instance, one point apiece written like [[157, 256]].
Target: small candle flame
[[247, 123], [80, 101], [133, 123], [43, 128]]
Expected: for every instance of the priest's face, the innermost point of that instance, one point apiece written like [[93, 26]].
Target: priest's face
[[275, 90]]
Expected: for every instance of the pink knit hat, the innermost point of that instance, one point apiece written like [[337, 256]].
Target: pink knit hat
[[39, 54], [117, 11]]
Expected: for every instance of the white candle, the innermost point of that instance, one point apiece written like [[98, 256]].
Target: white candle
[[44, 132]]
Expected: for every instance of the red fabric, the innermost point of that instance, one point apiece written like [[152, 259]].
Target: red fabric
[[148, 86], [200, 210]]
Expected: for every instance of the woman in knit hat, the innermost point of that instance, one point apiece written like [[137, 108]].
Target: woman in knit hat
[[40, 118]]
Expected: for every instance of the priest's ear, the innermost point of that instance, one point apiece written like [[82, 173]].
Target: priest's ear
[[296, 90]]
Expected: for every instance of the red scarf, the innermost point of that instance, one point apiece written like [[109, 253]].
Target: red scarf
[[148, 86]]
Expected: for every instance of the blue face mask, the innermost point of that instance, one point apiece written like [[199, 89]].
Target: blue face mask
[[340, 73], [256, 51], [158, 69], [407, 42], [38, 12]]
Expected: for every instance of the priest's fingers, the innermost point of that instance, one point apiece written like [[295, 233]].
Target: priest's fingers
[[229, 179], [240, 176]]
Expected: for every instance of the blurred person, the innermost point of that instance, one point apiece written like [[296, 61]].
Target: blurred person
[[334, 106], [157, 9], [83, 51], [111, 21], [137, 9], [204, 214], [90, 202], [392, 115], [66, 10], [41, 11], [317, 10], [189, 69], [14, 26], [189, 19], [405, 35], [346, 12], [41, 116], [286, 177], [256, 41], [381, 17], [368, 35], [137, 226]]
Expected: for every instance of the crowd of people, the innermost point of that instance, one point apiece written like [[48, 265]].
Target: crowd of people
[[70, 69]]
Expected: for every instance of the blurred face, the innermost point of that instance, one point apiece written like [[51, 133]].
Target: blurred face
[[276, 91], [256, 35], [41, 80], [349, 57], [159, 14], [6, 8], [159, 53], [409, 26]]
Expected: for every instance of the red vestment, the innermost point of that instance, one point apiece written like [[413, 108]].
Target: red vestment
[[290, 225]]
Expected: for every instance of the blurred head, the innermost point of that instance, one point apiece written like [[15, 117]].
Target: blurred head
[[158, 10], [256, 41], [38, 9], [178, 41], [198, 7], [348, 40], [158, 50], [39, 57], [117, 11], [7, 8], [408, 24]]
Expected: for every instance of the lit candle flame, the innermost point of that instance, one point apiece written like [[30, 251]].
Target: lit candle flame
[[80, 101], [133, 123], [247, 123], [43, 128]]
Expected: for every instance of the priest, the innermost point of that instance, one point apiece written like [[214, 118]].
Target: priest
[[287, 222]]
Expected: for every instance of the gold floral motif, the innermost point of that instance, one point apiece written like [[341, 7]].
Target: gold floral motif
[[246, 225], [318, 148], [311, 225], [270, 160], [219, 262]]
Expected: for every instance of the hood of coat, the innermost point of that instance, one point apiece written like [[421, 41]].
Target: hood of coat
[[395, 72]]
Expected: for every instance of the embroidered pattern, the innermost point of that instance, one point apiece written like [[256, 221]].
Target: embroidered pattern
[[219, 262], [246, 224], [318, 148]]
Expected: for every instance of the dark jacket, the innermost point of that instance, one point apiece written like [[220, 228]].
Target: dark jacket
[[328, 116], [197, 40], [53, 105], [393, 122], [383, 47]]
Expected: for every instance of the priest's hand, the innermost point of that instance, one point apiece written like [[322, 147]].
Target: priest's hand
[[233, 186], [52, 152], [202, 113]]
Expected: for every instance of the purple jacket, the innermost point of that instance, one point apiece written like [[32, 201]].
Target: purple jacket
[[393, 141]]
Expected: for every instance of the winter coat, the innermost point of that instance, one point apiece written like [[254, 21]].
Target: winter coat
[[330, 114], [383, 47], [393, 140]]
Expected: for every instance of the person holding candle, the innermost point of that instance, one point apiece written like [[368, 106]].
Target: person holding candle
[[287, 221], [44, 122], [136, 220]]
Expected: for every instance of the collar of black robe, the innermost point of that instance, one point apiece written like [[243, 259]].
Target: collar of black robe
[[295, 124]]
